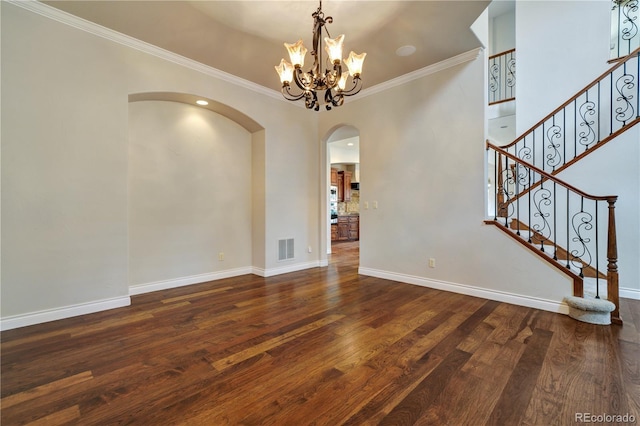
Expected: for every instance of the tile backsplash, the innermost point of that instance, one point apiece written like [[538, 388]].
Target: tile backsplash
[[352, 206]]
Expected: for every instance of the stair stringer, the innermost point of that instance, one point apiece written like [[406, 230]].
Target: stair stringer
[[578, 287]]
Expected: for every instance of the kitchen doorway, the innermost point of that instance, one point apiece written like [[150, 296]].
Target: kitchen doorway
[[343, 163]]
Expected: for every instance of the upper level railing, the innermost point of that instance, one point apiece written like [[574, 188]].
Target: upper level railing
[[625, 34], [502, 77], [597, 114]]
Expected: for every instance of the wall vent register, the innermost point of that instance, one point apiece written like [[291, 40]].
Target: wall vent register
[[285, 249]]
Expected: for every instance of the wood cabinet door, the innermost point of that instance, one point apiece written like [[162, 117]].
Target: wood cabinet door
[[347, 186], [334, 177], [354, 228], [340, 187], [343, 228]]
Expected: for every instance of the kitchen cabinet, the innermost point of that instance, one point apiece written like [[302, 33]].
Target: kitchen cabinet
[[343, 228], [354, 227], [334, 232], [347, 229], [334, 177], [344, 186]]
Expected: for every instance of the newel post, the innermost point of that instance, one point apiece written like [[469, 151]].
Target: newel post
[[612, 266]]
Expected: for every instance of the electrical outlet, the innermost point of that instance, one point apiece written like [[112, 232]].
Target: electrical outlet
[[375, 204], [432, 262], [366, 205], [221, 256], [309, 249]]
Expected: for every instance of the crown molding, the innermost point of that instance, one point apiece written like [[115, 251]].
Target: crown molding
[[125, 40], [471, 55]]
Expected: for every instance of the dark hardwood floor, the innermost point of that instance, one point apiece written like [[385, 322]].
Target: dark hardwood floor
[[323, 346]]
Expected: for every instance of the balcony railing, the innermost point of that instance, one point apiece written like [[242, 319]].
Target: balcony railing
[[625, 34], [502, 77]]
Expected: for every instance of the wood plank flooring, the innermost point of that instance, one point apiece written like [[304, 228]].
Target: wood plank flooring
[[325, 347]]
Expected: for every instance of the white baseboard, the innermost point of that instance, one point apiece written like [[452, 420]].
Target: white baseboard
[[289, 268], [39, 317], [24, 320], [629, 293], [182, 281], [500, 296]]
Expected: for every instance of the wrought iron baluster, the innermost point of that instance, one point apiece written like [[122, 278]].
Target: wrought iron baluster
[[564, 136], [599, 112], [531, 176], [533, 147], [567, 220], [630, 32], [499, 67], [611, 103], [619, 32], [543, 144], [511, 75], [575, 127], [541, 202], [597, 256], [555, 224], [624, 83], [582, 222], [496, 186], [587, 110], [507, 192], [553, 133]]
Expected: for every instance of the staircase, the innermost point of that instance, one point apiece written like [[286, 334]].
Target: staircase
[[572, 230]]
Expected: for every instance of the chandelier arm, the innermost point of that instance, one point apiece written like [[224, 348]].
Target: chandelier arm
[[357, 86], [331, 100], [286, 92], [311, 100]]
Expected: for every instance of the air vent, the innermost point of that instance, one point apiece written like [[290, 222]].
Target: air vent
[[285, 249]]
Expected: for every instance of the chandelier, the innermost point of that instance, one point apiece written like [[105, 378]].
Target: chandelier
[[332, 80]]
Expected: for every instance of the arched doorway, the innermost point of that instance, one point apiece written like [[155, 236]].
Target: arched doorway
[[343, 170]]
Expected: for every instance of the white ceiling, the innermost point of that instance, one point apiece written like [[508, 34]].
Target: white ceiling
[[244, 38], [502, 130]]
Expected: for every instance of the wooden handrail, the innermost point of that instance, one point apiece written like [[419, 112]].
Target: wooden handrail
[[564, 105], [501, 53], [502, 101], [547, 176]]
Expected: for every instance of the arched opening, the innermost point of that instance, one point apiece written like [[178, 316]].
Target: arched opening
[[232, 114], [343, 170], [193, 197]]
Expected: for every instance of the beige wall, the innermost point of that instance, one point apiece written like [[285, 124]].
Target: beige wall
[[189, 192], [65, 158], [422, 159]]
